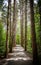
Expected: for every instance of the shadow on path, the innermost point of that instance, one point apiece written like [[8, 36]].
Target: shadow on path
[[18, 57]]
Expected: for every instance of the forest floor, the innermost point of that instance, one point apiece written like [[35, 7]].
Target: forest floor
[[17, 57]]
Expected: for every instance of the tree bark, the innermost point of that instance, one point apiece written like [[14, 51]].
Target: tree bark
[[7, 29], [33, 34], [25, 25], [10, 41], [21, 22], [14, 25], [40, 20]]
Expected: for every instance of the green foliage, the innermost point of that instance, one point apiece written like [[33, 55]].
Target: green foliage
[[37, 28], [17, 39], [2, 40], [1, 3], [29, 43]]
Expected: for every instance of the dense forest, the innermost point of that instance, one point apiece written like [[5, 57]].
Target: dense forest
[[20, 23]]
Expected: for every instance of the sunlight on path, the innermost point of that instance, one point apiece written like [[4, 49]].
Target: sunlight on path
[[17, 57], [18, 54]]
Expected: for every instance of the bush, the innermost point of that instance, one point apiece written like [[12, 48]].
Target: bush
[[17, 39], [2, 40]]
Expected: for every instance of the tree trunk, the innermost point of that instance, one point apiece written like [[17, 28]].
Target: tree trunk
[[7, 29], [40, 20], [25, 25], [10, 42], [14, 25], [21, 22], [33, 34]]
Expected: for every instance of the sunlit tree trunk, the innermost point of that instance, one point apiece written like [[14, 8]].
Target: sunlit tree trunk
[[21, 22], [33, 34], [14, 24], [25, 25], [7, 29]]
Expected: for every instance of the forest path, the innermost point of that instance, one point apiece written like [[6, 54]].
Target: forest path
[[18, 57]]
